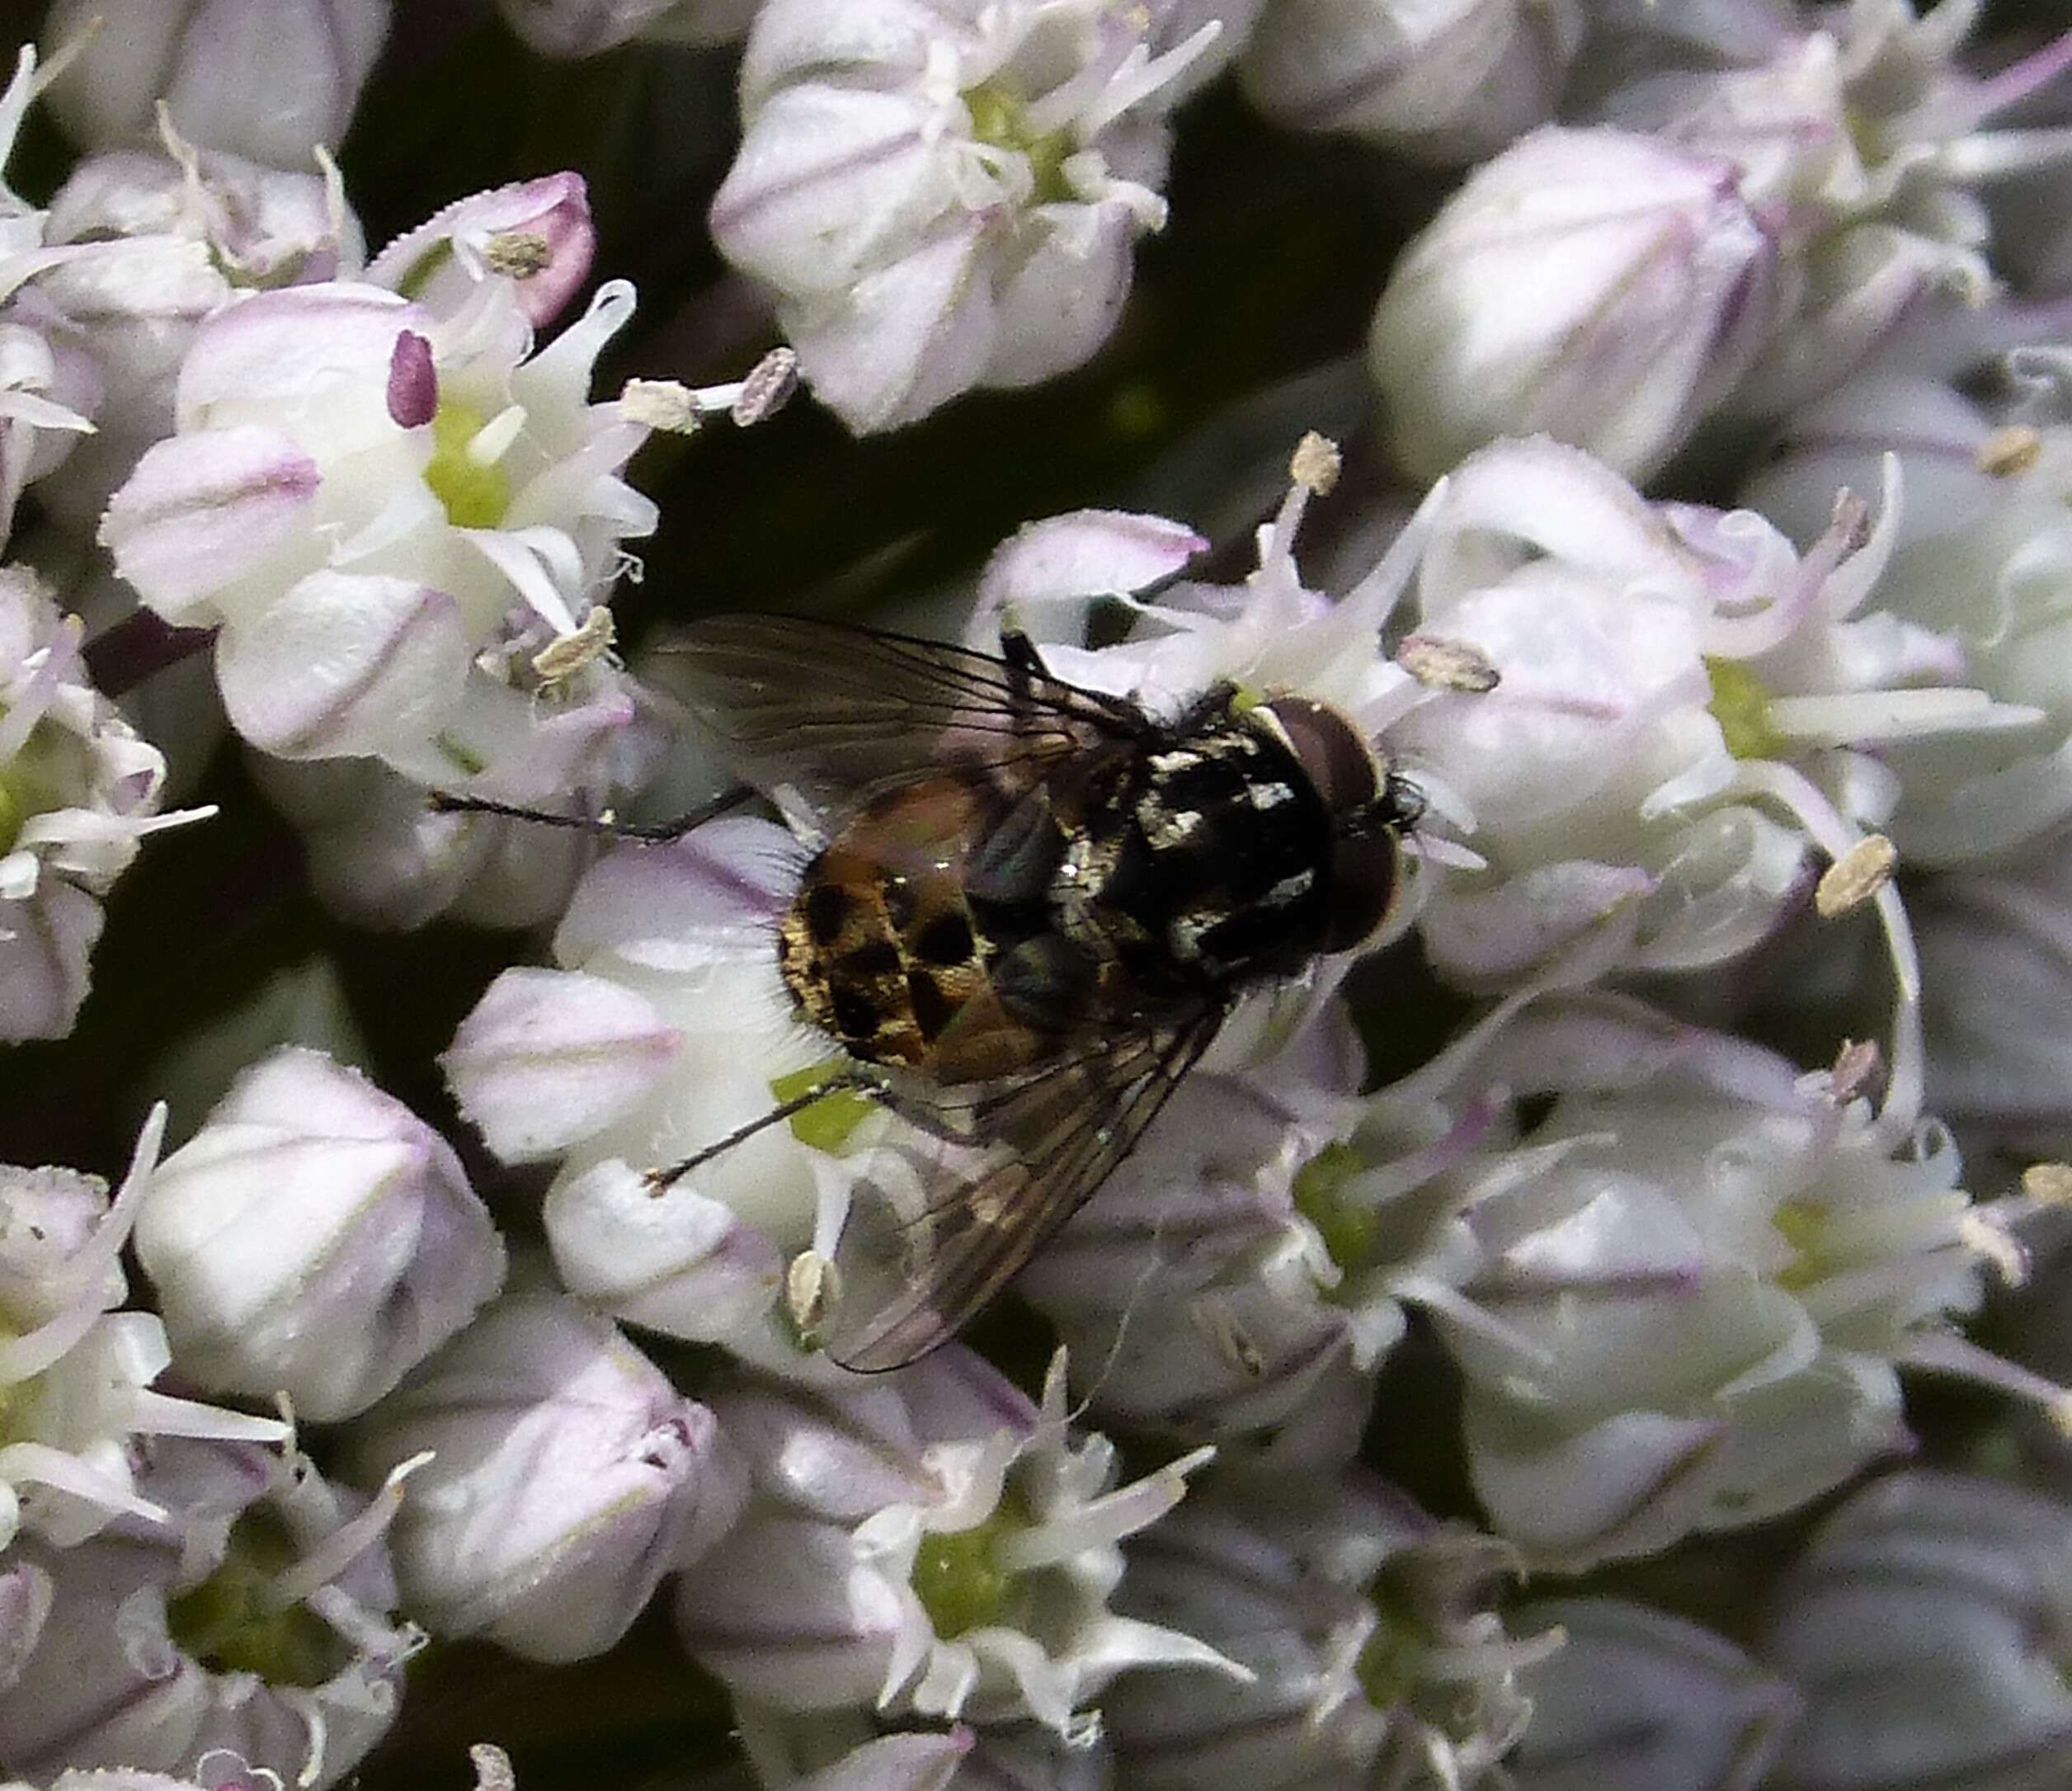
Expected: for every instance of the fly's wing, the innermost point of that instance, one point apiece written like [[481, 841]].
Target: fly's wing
[[814, 714], [939, 1223]]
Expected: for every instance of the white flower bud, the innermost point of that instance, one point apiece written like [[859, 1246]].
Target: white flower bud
[[254, 1560], [1450, 83], [549, 1058], [258, 78], [566, 1478], [1598, 285], [314, 1237], [1634, 1700], [590, 28], [1925, 1628]]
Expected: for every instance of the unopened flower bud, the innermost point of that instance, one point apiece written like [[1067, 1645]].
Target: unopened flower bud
[[590, 28], [1634, 1700], [314, 1237], [1448, 83], [566, 1477], [1595, 284], [1926, 1629], [270, 79]]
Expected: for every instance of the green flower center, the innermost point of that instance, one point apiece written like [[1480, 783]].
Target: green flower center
[[12, 814], [958, 1582], [231, 1622], [827, 1125], [1741, 706], [476, 493], [1346, 1226], [999, 116], [1387, 1668], [1803, 1225]]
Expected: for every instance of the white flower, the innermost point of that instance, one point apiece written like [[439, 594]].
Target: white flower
[[45, 384], [1599, 284], [253, 1620], [269, 79], [979, 1588], [387, 513], [1634, 1700], [1698, 1288], [1449, 83], [1863, 134], [563, 1476], [1985, 556], [75, 1374], [314, 1237], [942, 196], [79, 790], [167, 239], [1672, 679], [1926, 1628], [1376, 1656]]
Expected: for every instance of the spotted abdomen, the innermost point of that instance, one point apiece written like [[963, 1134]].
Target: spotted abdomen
[[880, 947]]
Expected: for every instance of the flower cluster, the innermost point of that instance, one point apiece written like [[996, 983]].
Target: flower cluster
[[1355, 1075]]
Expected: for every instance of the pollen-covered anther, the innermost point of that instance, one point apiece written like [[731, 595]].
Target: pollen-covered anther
[[1315, 463], [2008, 451], [664, 405], [493, 1767], [1855, 877], [1855, 1063], [1440, 664], [566, 654], [518, 254], [811, 1290], [2049, 1183]]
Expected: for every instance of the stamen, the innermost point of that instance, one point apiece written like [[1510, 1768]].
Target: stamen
[[2048, 1183], [346, 1544], [2006, 451], [493, 441], [1448, 665], [1855, 877], [1944, 1352]]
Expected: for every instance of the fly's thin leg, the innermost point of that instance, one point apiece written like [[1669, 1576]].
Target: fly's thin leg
[[842, 1081], [446, 802]]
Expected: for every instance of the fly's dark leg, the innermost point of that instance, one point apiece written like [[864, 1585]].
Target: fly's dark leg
[[846, 1081], [446, 802]]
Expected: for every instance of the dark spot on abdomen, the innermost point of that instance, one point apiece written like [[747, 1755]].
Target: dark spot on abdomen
[[826, 907], [879, 958], [945, 942], [857, 1016], [933, 1009]]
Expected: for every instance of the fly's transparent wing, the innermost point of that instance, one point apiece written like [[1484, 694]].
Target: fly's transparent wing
[[941, 1221], [813, 714]]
